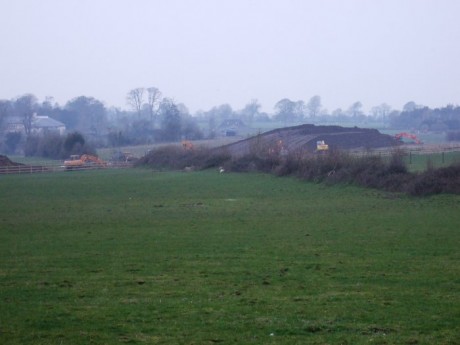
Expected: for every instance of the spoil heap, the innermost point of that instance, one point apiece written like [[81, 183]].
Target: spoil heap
[[304, 137], [7, 166], [6, 162]]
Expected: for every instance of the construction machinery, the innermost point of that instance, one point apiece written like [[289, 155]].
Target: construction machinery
[[123, 157], [412, 137], [84, 162], [187, 145]]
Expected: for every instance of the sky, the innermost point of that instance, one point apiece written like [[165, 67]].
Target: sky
[[204, 53]]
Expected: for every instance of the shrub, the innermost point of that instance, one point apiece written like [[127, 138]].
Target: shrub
[[216, 159], [289, 165], [50, 146], [397, 164], [331, 167], [31, 146], [12, 141], [175, 157], [71, 140], [453, 136], [53, 146], [251, 163], [442, 180]]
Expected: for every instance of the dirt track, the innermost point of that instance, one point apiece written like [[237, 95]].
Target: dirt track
[[304, 137]]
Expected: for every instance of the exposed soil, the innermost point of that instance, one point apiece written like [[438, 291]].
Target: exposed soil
[[304, 137], [7, 166], [6, 162]]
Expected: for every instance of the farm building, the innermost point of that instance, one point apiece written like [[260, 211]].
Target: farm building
[[42, 124]]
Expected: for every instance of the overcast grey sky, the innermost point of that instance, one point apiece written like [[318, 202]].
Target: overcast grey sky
[[209, 52]]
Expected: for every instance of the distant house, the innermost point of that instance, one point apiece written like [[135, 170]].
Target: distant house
[[40, 125], [45, 124]]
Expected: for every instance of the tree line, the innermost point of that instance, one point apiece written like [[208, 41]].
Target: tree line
[[151, 118]]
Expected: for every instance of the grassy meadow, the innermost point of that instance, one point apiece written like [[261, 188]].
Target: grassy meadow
[[139, 257], [422, 162]]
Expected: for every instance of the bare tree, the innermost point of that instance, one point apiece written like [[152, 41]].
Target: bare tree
[[4, 111], [153, 99], [25, 107], [135, 99]]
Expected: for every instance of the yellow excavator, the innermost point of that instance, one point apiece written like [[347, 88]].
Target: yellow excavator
[[84, 162]]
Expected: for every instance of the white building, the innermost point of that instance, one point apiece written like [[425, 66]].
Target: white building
[[45, 124], [40, 125]]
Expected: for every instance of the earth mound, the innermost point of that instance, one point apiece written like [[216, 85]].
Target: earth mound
[[6, 162], [304, 137], [7, 166]]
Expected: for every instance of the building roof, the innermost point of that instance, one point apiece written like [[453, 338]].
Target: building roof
[[46, 122]]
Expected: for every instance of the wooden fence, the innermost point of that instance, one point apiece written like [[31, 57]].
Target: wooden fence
[[51, 167]]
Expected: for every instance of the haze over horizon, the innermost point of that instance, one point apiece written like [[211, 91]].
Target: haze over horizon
[[206, 53]]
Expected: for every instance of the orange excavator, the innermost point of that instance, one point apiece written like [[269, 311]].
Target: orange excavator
[[84, 161], [187, 145], [412, 137]]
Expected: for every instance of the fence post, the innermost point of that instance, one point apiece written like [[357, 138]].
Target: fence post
[[410, 157], [442, 157]]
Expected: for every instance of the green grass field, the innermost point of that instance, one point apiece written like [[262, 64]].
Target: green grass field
[[421, 162], [132, 256]]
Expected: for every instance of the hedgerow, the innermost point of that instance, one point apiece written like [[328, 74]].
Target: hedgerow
[[331, 167]]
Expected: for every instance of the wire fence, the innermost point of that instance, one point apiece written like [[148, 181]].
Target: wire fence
[[419, 157], [414, 149]]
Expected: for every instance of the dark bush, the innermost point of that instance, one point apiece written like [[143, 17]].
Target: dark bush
[[50, 146], [242, 164], [31, 146], [453, 136], [71, 140], [289, 165], [397, 164], [176, 157], [330, 167], [53, 146], [442, 180], [12, 141], [216, 159]]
